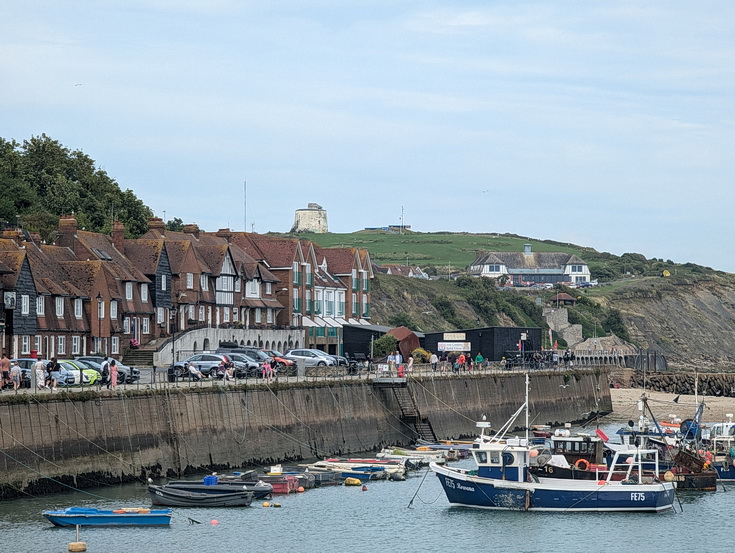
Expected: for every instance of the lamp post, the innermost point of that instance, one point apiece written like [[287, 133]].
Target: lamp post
[[173, 336], [99, 333]]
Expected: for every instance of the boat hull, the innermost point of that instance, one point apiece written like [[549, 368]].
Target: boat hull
[[79, 516], [260, 491], [466, 490], [171, 497]]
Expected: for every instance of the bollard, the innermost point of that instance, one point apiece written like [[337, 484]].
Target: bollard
[[77, 545]]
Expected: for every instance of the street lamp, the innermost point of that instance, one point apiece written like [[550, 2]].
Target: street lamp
[[173, 336], [99, 322]]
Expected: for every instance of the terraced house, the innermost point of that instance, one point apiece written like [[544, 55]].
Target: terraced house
[[91, 292]]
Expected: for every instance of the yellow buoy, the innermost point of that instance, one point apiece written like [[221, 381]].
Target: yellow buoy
[[353, 481], [669, 476], [266, 504]]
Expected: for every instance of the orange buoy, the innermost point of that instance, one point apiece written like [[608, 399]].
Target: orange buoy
[[364, 488], [215, 522], [300, 489]]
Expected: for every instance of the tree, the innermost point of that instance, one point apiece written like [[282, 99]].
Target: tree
[[384, 345], [401, 319], [175, 225]]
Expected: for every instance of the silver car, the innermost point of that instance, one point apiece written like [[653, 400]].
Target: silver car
[[310, 357]]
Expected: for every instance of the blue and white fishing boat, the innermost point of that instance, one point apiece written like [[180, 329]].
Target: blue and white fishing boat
[[502, 480], [84, 516]]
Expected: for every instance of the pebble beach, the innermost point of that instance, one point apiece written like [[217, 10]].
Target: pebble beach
[[625, 405]]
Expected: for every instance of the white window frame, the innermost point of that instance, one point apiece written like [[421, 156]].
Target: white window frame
[[59, 306], [128, 291], [25, 344], [25, 304], [159, 315], [238, 284], [191, 312], [40, 306], [126, 325], [115, 345], [113, 309], [101, 310], [37, 344], [75, 345], [269, 315], [163, 282], [145, 324], [204, 282], [189, 281], [61, 348], [268, 288], [258, 316], [234, 314], [225, 314], [144, 292], [201, 313], [78, 308]]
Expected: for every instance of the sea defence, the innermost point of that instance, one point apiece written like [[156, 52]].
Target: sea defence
[[50, 443]]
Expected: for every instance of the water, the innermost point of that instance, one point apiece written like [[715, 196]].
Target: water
[[340, 518]]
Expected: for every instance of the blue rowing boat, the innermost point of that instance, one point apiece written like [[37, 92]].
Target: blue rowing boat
[[83, 516]]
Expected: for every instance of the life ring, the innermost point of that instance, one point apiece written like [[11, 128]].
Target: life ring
[[582, 464]]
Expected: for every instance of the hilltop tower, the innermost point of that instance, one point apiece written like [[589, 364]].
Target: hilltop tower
[[311, 219]]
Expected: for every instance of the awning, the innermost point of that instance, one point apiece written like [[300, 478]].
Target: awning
[[306, 321], [341, 321], [331, 322], [354, 322]]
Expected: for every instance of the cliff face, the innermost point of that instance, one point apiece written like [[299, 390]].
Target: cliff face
[[691, 324]]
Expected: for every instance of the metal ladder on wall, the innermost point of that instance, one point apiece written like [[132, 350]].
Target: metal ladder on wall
[[410, 414]]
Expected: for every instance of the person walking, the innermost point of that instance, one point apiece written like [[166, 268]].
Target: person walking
[[113, 375], [479, 360], [5, 368], [15, 376], [55, 370], [409, 367], [40, 369], [105, 375], [434, 360]]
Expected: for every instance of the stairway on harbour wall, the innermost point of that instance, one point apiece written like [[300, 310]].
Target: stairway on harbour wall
[[409, 411], [140, 357]]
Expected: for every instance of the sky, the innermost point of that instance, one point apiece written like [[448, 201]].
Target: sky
[[604, 124]]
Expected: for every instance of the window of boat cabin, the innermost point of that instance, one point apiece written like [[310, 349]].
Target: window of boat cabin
[[495, 457], [481, 457]]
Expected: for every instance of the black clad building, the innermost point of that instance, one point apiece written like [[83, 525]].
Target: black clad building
[[492, 341]]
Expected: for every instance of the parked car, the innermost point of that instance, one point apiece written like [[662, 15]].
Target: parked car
[[311, 357], [283, 364], [245, 366], [340, 360], [81, 373], [257, 354], [125, 374], [25, 371], [206, 362]]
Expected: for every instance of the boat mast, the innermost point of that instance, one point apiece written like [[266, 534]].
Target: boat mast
[[527, 437]]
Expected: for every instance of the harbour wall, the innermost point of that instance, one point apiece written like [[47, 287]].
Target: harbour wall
[[84, 439]]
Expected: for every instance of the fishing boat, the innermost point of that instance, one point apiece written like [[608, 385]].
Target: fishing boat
[[501, 479], [175, 497], [423, 455], [84, 516]]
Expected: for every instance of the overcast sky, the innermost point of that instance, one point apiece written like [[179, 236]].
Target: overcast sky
[[605, 124]]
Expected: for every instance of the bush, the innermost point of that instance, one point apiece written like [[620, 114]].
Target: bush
[[420, 355], [384, 345]]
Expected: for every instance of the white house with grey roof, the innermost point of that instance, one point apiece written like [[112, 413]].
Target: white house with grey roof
[[527, 267]]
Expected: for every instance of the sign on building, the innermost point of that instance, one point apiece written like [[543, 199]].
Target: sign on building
[[454, 346]]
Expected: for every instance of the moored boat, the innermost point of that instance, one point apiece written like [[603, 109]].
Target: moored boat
[[83, 516], [260, 490], [502, 480], [175, 497]]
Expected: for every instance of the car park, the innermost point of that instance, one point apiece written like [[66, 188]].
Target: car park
[[310, 357], [283, 364], [206, 363], [125, 374]]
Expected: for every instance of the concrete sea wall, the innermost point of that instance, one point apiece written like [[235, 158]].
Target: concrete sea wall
[[86, 439]]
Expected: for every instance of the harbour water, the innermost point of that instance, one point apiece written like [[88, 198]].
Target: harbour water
[[387, 517]]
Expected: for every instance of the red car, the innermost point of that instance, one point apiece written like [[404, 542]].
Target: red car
[[277, 356]]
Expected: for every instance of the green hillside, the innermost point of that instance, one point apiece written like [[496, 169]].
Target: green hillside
[[441, 252]]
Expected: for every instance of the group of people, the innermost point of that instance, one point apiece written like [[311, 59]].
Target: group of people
[[225, 371], [48, 374]]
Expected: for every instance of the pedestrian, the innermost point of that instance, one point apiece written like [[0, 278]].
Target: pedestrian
[[391, 362], [443, 361], [40, 369], [409, 367], [479, 359], [105, 379], [113, 375], [461, 361], [267, 372], [399, 358], [502, 363], [55, 370], [434, 360], [15, 375], [5, 368]]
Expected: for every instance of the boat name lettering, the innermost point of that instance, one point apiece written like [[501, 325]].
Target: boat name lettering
[[637, 496]]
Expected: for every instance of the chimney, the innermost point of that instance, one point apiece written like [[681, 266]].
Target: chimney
[[67, 231], [192, 229], [225, 233], [156, 223], [118, 236], [526, 249]]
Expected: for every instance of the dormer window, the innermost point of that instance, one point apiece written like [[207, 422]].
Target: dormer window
[[189, 281], [128, 291], [144, 292]]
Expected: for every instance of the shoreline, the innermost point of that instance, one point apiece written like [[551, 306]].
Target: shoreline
[[625, 400]]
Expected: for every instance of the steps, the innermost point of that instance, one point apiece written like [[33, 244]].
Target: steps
[[139, 358], [410, 414]]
